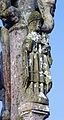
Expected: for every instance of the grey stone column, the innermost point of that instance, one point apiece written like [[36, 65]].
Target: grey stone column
[[16, 39], [25, 105]]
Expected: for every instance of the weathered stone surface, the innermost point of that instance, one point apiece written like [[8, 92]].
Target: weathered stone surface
[[4, 4], [33, 111], [10, 15], [26, 57], [36, 50], [6, 65], [25, 7], [16, 39], [47, 8], [2, 89], [6, 115]]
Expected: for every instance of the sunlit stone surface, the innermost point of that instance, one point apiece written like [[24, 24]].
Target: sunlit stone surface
[[26, 57]]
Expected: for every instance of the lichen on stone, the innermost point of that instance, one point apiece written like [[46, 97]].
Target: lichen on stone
[[34, 16], [6, 115]]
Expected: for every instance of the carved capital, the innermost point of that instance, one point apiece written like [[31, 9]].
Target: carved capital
[[33, 111]]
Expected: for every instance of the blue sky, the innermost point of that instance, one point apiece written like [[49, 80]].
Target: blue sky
[[56, 95], [0, 106]]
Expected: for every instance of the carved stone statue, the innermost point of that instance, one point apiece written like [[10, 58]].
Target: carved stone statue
[[36, 62], [36, 59], [28, 23], [12, 11]]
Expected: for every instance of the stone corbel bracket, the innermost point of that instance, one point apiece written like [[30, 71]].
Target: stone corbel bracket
[[33, 111]]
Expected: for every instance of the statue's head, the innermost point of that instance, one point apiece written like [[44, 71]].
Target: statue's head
[[34, 21]]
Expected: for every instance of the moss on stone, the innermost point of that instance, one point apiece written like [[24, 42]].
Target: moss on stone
[[6, 115], [19, 118], [34, 16]]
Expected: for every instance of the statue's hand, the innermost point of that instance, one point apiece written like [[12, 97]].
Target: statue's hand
[[27, 45], [11, 15], [47, 8], [4, 4]]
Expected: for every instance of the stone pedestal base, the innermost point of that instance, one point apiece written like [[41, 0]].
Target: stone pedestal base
[[33, 111]]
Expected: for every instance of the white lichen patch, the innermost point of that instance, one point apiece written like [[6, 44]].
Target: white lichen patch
[[45, 38], [26, 16], [47, 108], [35, 85], [42, 95], [14, 76], [39, 99], [48, 74], [30, 61], [41, 84], [39, 48], [49, 77], [13, 63], [43, 35], [40, 59], [19, 38], [41, 73], [34, 36], [27, 45]]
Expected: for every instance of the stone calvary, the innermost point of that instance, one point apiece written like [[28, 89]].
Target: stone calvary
[[26, 57]]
